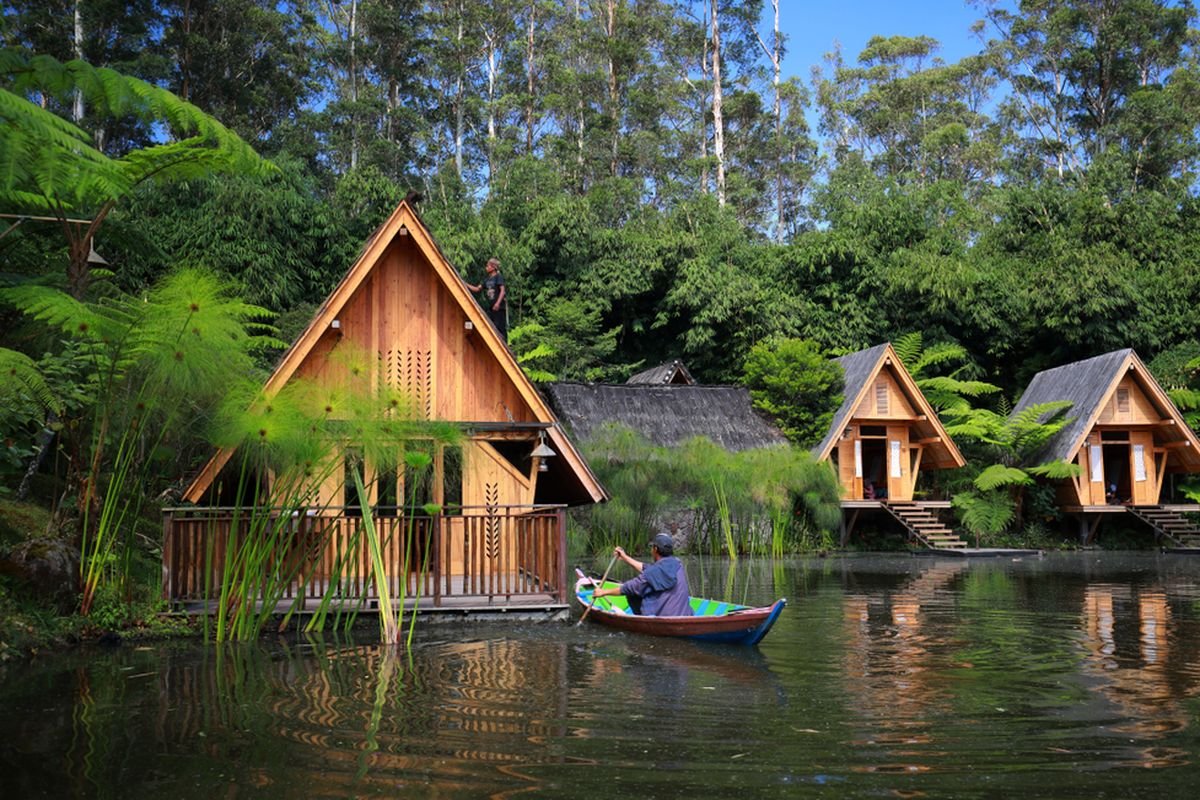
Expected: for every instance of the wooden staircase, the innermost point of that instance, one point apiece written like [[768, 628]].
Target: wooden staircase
[[923, 526], [1170, 525]]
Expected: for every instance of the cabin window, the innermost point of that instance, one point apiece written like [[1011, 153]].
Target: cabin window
[[350, 463], [514, 451], [452, 480], [881, 397], [1122, 400], [1114, 436], [418, 487], [386, 493], [879, 431]]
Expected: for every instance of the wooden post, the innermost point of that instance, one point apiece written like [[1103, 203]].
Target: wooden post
[[561, 553], [168, 559], [435, 558]]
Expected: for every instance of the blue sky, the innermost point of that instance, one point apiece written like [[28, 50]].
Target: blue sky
[[812, 27]]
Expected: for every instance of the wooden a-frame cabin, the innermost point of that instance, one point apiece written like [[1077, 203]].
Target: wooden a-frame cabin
[[1125, 435], [882, 436], [500, 539]]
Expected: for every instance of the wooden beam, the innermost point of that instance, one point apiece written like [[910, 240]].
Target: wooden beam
[[929, 440]]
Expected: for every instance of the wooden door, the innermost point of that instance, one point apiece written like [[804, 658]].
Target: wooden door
[[1093, 482], [850, 467], [1142, 476], [899, 471]]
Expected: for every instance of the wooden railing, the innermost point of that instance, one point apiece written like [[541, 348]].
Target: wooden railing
[[492, 554]]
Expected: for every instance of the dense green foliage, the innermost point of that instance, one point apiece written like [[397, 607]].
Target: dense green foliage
[[797, 384], [1033, 203], [1029, 205]]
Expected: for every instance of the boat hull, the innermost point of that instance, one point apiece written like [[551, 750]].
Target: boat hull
[[742, 625]]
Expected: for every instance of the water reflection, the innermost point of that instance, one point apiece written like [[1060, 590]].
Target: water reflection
[[1136, 676], [1050, 677], [889, 666]]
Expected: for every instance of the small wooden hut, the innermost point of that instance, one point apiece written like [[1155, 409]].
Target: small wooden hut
[[501, 535], [885, 432], [1125, 435], [672, 373], [665, 414]]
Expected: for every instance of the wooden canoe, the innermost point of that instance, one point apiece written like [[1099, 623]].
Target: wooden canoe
[[713, 620]]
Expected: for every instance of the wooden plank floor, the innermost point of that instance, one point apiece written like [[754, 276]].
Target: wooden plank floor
[[458, 603]]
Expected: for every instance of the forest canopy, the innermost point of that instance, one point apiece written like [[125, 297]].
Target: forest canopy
[[654, 184]]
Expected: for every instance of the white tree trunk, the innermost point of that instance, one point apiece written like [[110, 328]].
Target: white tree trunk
[[614, 101], [492, 40], [459, 104], [775, 56], [529, 78], [353, 85], [579, 130], [718, 120], [77, 106]]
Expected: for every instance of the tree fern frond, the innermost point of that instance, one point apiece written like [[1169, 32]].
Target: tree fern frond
[[986, 513], [1185, 399], [541, 350], [1056, 470], [59, 310], [956, 386], [999, 475], [20, 375], [1040, 414], [908, 347], [940, 353]]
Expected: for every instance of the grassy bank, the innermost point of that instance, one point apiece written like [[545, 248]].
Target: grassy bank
[[33, 619]]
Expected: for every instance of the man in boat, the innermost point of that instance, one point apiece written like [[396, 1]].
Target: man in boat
[[659, 590]]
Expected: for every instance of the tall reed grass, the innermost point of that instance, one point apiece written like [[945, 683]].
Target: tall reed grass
[[295, 446], [773, 500]]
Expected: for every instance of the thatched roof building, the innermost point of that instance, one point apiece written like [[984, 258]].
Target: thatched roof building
[[664, 415]]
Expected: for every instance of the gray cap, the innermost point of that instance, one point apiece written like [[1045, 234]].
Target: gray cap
[[664, 543]]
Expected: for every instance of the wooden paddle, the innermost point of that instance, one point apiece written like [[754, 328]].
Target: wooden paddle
[[596, 586]]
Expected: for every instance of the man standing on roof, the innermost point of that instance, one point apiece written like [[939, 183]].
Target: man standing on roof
[[659, 590], [496, 294]]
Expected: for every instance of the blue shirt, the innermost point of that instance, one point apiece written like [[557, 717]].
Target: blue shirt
[[663, 587]]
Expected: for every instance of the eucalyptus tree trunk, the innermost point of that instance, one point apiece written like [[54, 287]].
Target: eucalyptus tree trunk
[[353, 30], [529, 76], [579, 125], [77, 106], [775, 55], [492, 42], [614, 99], [460, 122], [718, 119]]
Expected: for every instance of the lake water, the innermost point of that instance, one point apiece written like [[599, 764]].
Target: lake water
[[1069, 675]]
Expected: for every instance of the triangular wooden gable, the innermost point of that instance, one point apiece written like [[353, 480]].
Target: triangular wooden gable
[[860, 386], [1093, 390], [356, 309]]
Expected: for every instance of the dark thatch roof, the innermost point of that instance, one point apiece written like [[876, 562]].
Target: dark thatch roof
[[664, 415], [858, 367], [672, 372]]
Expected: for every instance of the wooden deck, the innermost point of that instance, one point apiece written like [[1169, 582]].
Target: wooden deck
[[486, 558], [978, 552], [458, 604]]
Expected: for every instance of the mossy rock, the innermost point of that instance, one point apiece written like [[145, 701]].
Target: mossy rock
[[21, 521]]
